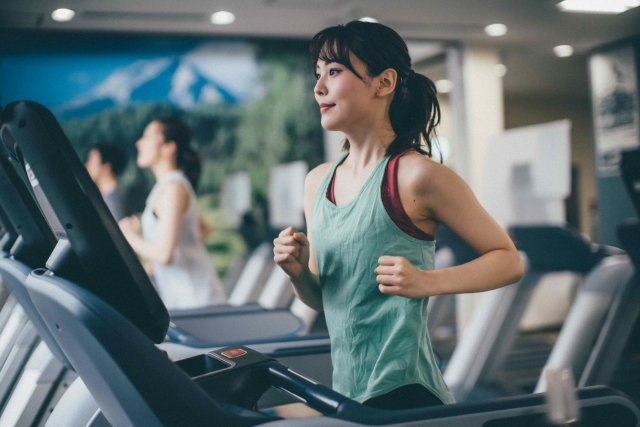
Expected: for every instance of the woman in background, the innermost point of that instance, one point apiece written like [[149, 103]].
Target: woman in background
[[172, 228]]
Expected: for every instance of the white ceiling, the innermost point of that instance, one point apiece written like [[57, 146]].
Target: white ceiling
[[535, 27]]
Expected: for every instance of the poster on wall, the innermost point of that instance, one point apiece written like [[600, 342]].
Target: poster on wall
[[248, 102], [616, 116]]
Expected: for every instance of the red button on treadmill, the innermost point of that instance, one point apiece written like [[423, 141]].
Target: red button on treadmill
[[236, 352]]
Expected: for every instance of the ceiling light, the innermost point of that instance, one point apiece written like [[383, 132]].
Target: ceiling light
[[62, 15], [495, 30], [598, 6], [444, 86], [368, 19], [223, 18], [500, 70], [563, 50]]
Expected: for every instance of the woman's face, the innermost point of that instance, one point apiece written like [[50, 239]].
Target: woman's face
[[150, 144], [345, 100]]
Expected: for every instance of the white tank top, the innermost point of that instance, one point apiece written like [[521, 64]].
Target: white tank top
[[190, 280]]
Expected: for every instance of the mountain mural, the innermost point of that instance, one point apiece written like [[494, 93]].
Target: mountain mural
[[210, 73]]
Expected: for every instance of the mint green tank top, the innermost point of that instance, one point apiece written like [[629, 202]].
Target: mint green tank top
[[378, 342]]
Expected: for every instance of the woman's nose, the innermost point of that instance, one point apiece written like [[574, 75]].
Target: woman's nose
[[320, 88]]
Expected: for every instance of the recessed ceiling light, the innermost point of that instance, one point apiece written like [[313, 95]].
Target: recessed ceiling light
[[223, 18], [368, 19], [62, 15], [444, 86], [500, 70], [495, 30], [598, 6], [563, 50]]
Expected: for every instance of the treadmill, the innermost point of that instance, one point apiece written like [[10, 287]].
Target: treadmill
[[484, 348], [603, 317], [37, 366], [111, 345]]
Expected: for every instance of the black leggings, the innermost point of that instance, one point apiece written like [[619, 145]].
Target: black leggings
[[405, 397]]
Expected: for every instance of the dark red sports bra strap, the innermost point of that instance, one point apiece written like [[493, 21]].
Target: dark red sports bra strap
[[390, 199], [331, 194]]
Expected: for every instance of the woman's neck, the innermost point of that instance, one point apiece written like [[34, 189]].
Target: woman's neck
[[162, 168], [368, 146]]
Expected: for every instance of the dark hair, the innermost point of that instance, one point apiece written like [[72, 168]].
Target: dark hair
[[187, 159], [414, 112], [113, 155]]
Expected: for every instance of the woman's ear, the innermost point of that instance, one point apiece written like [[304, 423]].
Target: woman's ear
[[387, 82]]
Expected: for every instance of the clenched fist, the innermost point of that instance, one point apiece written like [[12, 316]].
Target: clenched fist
[[397, 276], [291, 251]]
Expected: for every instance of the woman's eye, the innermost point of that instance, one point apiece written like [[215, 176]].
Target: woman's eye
[[333, 71], [317, 76]]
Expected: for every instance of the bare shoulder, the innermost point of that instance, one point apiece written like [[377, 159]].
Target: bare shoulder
[[320, 171], [316, 175], [311, 185], [421, 174], [174, 190], [173, 198]]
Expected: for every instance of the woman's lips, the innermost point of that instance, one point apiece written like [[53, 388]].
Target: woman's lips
[[325, 107]]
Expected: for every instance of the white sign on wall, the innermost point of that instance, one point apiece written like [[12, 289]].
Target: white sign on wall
[[286, 194], [236, 197], [527, 174]]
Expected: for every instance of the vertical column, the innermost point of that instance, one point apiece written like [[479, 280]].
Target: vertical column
[[478, 104], [460, 159], [483, 106]]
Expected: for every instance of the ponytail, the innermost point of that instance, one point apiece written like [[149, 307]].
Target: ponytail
[[414, 112], [190, 163], [187, 159]]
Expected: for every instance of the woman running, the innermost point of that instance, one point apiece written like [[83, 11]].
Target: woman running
[[172, 228], [368, 259]]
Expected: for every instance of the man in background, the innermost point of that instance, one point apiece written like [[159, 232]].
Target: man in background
[[105, 162]]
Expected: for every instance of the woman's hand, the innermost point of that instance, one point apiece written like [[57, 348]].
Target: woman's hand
[[397, 276], [291, 251], [129, 225]]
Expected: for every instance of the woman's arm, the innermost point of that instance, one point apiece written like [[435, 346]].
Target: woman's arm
[[170, 208], [442, 196], [293, 251]]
